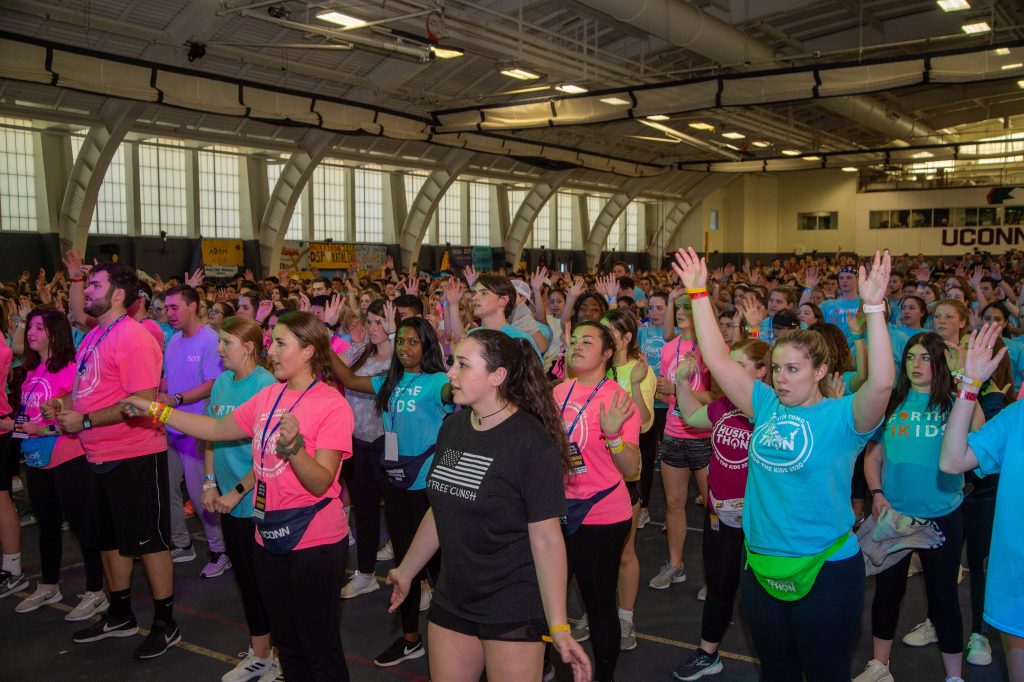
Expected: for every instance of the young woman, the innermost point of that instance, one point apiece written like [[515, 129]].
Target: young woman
[[12, 578], [603, 426], [727, 481], [913, 314], [301, 430], [651, 336], [496, 496], [219, 311], [229, 481], [950, 321], [809, 315], [413, 398], [804, 574], [902, 471], [60, 481]]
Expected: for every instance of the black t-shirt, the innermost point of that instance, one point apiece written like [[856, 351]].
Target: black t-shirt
[[484, 488]]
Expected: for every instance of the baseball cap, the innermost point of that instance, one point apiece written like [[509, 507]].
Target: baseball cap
[[522, 288]]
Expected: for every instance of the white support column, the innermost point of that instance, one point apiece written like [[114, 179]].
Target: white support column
[[464, 204], [499, 213], [610, 213], [425, 205], [348, 177], [252, 194], [581, 220], [527, 212]]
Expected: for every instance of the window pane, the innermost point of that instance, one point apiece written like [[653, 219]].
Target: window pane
[[449, 216], [17, 177], [564, 220], [162, 185], [413, 182], [369, 190], [328, 203], [218, 194], [479, 214], [632, 226]]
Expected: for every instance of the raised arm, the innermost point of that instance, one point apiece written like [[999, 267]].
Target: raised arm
[[860, 358], [871, 398]]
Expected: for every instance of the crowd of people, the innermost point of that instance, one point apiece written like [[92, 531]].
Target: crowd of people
[[841, 418]]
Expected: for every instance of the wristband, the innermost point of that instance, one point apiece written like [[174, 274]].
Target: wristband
[[209, 477], [614, 443], [857, 337], [876, 491], [240, 489], [165, 414], [154, 409], [697, 296], [613, 436], [553, 630], [963, 379], [963, 394], [444, 303], [77, 279], [877, 308], [698, 290], [209, 485], [611, 299], [178, 399], [753, 333]]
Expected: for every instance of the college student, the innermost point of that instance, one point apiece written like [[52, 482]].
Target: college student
[[496, 496], [651, 336], [494, 301], [12, 578], [301, 430], [803, 584]]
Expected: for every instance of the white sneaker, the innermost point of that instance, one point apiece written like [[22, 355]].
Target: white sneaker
[[17, 485], [954, 678], [643, 519], [921, 634], [218, 564], [702, 594], [874, 672], [91, 604], [627, 638], [359, 583], [251, 667], [273, 673], [979, 651], [699, 501], [426, 594], [386, 553], [44, 594]]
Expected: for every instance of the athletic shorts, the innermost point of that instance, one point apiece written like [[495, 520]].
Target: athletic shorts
[[686, 453], [8, 462], [634, 492], [134, 510], [529, 631]]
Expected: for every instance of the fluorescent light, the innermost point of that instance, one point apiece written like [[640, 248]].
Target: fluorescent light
[[615, 101], [791, 152], [1020, 84], [977, 27], [1007, 67], [923, 155], [700, 125], [658, 117], [1002, 51], [734, 136], [732, 146], [812, 158], [953, 5], [570, 89], [849, 169], [761, 144], [520, 74], [446, 52], [341, 19], [670, 140]]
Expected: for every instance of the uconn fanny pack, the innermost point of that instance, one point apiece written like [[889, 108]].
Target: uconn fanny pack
[[282, 529], [403, 473]]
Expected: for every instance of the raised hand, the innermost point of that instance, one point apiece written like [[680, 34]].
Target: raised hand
[[332, 311], [453, 291], [537, 278], [618, 411], [263, 311], [836, 385], [73, 262], [752, 311], [389, 318], [976, 277], [980, 361], [639, 371], [411, 285], [692, 269], [874, 285], [471, 275], [196, 278], [576, 288], [811, 277], [303, 302], [856, 321]]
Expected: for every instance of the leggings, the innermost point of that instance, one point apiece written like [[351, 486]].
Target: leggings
[[240, 545], [594, 553], [364, 478], [185, 459], [979, 515], [810, 637], [723, 560], [941, 567], [300, 590], [648, 453], [403, 511], [66, 491]]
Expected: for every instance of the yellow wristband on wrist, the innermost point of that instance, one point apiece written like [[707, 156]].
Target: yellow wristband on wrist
[[166, 414], [553, 629]]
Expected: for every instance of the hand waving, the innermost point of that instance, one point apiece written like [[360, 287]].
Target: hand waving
[[691, 268], [621, 408], [873, 285], [980, 362]]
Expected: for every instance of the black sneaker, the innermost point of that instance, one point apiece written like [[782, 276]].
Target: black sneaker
[[699, 664], [10, 583], [107, 627], [401, 650], [162, 636]]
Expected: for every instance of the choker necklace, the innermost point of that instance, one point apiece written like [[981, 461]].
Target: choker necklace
[[480, 420]]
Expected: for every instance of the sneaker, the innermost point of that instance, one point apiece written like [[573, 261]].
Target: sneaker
[[189, 509], [44, 594], [979, 651], [359, 583], [643, 519], [10, 583], [107, 627], [666, 577], [17, 485], [581, 631], [401, 650], [875, 671], [273, 673], [27, 519], [702, 594], [921, 634], [699, 664], [162, 636], [91, 604], [954, 678], [426, 594], [251, 667], [627, 638], [219, 562], [386, 553], [181, 555], [699, 501]]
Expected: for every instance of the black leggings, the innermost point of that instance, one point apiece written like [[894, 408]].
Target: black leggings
[[979, 515], [810, 637], [403, 511], [649, 452], [67, 492], [300, 590], [594, 553], [723, 560], [941, 567], [240, 546], [364, 478]]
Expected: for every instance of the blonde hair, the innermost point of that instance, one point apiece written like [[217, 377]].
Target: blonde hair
[[814, 347], [246, 330]]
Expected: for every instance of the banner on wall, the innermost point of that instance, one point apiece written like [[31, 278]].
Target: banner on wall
[[480, 257], [352, 257], [222, 257], [1007, 235]]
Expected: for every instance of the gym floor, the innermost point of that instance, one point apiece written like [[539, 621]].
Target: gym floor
[[37, 646]]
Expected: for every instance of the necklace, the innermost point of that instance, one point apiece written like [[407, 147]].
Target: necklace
[[480, 420]]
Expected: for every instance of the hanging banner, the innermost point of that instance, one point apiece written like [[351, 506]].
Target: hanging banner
[[222, 257], [370, 257], [480, 257], [331, 256]]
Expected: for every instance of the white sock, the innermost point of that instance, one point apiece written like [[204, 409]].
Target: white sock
[[12, 563], [625, 615]]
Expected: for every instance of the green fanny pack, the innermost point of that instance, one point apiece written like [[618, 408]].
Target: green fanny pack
[[790, 578]]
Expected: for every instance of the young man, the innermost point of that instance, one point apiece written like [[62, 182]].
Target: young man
[[780, 298], [836, 310], [494, 299]]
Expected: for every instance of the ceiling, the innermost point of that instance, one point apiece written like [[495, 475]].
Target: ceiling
[[284, 45]]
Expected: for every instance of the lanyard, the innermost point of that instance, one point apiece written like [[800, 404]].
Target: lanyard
[[680, 345], [28, 398], [91, 349], [582, 409], [391, 401], [268, 432]]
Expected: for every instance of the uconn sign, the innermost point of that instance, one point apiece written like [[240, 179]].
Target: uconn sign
[[1010, 235]]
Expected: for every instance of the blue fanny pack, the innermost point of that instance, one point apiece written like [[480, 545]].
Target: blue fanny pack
[[403, 473], [577, 509], [38, 451], [282, 529]]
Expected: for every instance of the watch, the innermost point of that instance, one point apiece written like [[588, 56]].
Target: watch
[[240, 489], [876, 491], [86, 422], [178, 399], [391, 336]]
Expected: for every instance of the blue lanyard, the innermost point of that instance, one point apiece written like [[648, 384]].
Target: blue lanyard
[[678, 346], [268, 432], [582, 409], [26, 399], [399, 390], [91, 349]]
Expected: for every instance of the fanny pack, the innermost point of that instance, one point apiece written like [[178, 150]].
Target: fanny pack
[[577, 510], [789, 578], [38, 451], [282, 529], [403, 473]]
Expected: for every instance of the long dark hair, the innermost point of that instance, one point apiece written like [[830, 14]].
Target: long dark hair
[[432, 362], [941, 394], [525, 385], [607, 341], [583, 298], [62, 345], [377, 308]]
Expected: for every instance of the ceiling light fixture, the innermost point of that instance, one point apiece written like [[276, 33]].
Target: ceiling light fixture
[[1007, 67], [658, 117], [570, 89], [849, 169], [923, 155], [1020, 84], [812, 157], [1002, 51], [341, 19], [953, 5], [446, 52], [519, 74], [615, 101], [732, 146], [670, 140], [761, 144], [700, 125], [977, 27], [734, 136], [791, 152]]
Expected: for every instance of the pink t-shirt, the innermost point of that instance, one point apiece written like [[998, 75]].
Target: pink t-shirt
[[325, 421], [154, 329], [673, 352], [41, 385], [727, 470], [600, 471], [126, 361], [339, 345], [6, 358]]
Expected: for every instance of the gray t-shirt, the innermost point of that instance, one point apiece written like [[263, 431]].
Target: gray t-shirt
[[368, 423]]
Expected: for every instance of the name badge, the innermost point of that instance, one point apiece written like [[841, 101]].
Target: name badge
[[576, 464], [259, 500], [19, 426], [390, 446], [715, 523]]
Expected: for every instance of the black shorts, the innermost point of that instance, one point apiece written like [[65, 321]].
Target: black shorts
[[8, 462], [683, 453], [529, 631], [634, 492], [134, 510]]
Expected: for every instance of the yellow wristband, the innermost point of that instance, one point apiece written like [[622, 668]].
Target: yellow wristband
[[701, 290], [154, 409], [166, 414]]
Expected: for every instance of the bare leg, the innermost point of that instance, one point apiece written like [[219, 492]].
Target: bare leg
[[513, 661], [676, 482], [10, 525], [629, 568], [454, 657]]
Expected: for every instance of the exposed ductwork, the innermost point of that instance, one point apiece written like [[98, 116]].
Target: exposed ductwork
[[687, 26]]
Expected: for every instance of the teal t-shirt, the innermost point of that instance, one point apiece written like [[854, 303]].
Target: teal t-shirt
[[911, 479], [232, 459], [415, 413], [836, 310], [652, 341], [515, 333], [799, 472]]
